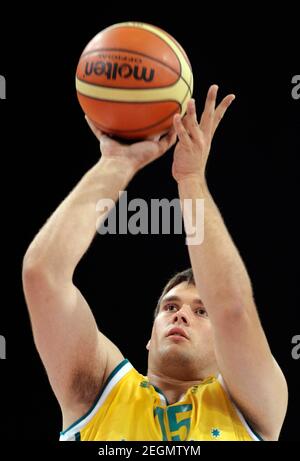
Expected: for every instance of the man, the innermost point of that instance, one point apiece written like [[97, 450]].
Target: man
[[211, 373]]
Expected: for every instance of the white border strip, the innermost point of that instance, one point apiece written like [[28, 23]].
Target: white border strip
[[70, 434], [162, 398]]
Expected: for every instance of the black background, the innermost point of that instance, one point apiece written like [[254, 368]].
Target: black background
[[46, 147]]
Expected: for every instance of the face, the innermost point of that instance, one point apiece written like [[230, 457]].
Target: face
[[182, 333]]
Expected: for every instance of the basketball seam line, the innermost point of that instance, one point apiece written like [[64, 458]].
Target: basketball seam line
[[145, 127]]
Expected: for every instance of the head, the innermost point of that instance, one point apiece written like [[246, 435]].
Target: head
[[180, 306]]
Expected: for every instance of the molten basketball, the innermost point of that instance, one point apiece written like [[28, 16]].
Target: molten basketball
[[132, 78]]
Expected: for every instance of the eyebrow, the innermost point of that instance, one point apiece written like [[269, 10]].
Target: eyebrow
[[176, 298]]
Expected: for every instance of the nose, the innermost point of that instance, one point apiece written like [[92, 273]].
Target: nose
[[182, 315]]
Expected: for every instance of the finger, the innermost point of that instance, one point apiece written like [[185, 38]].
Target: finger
[[154, 138], [180, 131], [167, 141], [221, 109], [190, 120], [94, 129], [207, 118]]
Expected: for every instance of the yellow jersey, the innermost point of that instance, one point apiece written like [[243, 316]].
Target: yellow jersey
[[130, 408]]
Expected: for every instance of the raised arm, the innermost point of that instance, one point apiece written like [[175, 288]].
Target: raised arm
[[77, 357], [251, 374]]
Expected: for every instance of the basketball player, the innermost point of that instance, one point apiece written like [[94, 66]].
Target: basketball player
[[211, 374]]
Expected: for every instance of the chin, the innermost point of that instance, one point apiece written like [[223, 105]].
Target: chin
[[174, 356]]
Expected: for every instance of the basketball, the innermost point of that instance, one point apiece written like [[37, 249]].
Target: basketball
[[132, 78]]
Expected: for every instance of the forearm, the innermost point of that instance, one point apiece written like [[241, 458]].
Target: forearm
[[220, 274], [68, 233]]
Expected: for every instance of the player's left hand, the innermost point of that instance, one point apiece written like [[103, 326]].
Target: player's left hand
[[194, 139]]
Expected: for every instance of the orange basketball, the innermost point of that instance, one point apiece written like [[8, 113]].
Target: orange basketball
[[132, 78]]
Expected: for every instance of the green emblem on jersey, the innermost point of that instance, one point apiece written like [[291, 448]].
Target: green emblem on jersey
[[215, 432], [144, 384], [194, 389]]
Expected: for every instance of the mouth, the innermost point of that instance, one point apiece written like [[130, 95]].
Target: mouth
[[177, 337], [177, 333]]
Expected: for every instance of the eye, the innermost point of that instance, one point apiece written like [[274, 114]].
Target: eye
[[169, 307], [201, 312]]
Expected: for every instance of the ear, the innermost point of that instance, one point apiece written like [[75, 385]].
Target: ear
[[148, 345]]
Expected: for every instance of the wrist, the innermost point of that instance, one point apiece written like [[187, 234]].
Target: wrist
[[117, 167], [191, 180]]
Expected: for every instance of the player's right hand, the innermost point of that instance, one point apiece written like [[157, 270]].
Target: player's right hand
[[136, 155]]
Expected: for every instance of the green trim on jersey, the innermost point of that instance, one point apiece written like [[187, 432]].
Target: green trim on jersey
[[254, 432], [113, 373]]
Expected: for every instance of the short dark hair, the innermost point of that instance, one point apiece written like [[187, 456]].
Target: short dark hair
[[183, 276]]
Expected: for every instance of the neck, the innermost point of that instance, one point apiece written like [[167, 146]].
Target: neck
[[173, 387]]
